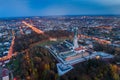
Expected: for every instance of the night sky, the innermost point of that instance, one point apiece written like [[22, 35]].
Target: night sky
[[17, 8]]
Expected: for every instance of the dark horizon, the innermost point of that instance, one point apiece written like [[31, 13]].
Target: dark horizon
[[105, 15]]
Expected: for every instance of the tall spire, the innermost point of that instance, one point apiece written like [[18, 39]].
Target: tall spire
[[75, 41]]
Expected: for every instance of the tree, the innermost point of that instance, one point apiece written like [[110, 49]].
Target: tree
[[113, 71]]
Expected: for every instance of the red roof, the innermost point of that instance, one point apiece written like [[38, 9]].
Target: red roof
[[79, 48]]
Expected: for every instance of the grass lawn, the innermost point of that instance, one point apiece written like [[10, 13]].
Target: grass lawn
[[51, 42]]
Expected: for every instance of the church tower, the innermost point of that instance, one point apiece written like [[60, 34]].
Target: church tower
[[75, 41]]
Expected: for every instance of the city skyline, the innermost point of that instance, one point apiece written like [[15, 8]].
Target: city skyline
[[18, 8]]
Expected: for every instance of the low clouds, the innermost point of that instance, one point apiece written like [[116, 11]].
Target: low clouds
[[9, 8], [55, 10], [108, 2], [113, 5], [13, 8]]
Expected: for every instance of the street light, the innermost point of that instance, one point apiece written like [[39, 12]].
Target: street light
[[97, 57]]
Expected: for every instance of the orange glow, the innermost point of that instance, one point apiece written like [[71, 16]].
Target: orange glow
[[10, 52], [97, 39], [52, 39], [33, 28], [104, 27], [11, 48]]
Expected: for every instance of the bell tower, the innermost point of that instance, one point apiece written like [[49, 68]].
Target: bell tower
[[75, 41]]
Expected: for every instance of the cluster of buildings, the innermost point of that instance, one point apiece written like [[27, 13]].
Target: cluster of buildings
[[4, 74], [69, 53], [65, 22], [5, 42], [59, 23]]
